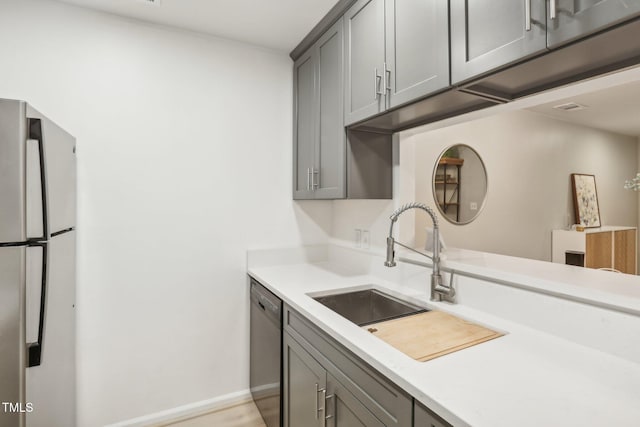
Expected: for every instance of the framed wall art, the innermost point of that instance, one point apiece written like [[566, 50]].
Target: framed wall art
[[585, 200]]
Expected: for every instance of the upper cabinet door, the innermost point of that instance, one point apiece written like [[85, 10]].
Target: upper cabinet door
[[364, 48], [329, 172], [486, 34], [417, 49], [304, 124], [570, 19]]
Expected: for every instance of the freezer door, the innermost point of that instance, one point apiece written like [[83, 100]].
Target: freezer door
[[37, 175], [58, 167], [13, 130], [51, 385], [12, 349]]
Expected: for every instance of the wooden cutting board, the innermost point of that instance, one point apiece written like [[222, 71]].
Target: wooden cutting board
[[426, 336]]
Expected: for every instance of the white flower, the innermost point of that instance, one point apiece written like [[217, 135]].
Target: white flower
[[633, 184]]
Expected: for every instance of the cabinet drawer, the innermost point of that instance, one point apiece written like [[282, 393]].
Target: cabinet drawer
[[384, 399]]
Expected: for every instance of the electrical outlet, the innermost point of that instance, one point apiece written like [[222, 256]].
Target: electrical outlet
[[473, 206], [365, 239], [358, 238]]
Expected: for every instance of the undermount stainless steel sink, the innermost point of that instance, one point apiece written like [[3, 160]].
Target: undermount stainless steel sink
[[368, 306]]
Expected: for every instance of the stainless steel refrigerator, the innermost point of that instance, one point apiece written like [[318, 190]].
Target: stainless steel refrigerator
[[37, 270]]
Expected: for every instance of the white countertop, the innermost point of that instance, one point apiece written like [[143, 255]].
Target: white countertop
[[602, 288], [525, 378]]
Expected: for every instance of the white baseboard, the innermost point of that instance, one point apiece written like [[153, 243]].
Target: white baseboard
[[187, 411]]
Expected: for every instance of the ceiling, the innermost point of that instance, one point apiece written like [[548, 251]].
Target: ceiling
[[615, 109], [276, 24]]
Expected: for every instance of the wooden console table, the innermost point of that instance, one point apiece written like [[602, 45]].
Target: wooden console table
[[609, 247]]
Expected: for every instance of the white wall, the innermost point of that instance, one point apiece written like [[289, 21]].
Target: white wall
[[373, 215], [529, 159], [184, 162]]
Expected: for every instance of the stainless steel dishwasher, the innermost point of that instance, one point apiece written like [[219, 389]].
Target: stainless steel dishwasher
[[265, 376]]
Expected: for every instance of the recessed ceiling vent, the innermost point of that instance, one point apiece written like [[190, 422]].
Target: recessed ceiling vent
[[570, 106]]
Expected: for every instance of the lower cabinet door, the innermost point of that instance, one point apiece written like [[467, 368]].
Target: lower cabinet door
[[344, 410], [624, 242], [304, 387], [425, 418], [599, 253]]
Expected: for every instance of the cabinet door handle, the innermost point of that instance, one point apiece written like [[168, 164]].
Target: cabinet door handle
[[326, 405], [527, 15], [315, 183], [377, 82], [316, 395], [387, 78], [308, 179], [324, 392], [552, 9]]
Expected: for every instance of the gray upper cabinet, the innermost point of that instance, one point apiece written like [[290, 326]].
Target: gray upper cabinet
[[330, 150], [364, 47], [487, 34], [396, 52], [389, 65], [304, 131], [319, 147], [571, 19], [417, 49]]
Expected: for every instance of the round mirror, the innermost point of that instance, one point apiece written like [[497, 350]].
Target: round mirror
[[459, 184]]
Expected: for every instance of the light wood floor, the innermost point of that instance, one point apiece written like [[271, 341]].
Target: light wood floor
[[243, 415]]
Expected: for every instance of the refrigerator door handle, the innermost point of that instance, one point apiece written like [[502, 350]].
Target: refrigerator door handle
[[34, 349], [38, 196]]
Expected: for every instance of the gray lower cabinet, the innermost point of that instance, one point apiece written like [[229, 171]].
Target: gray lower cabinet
[[571, 19], [396, 52], [487, 34], [343, 409], [425, 418], [326, 385], [305, 382], [316, 398], [319, 147]]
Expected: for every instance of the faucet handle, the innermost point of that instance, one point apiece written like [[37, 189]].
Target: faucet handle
[[440, 291]]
